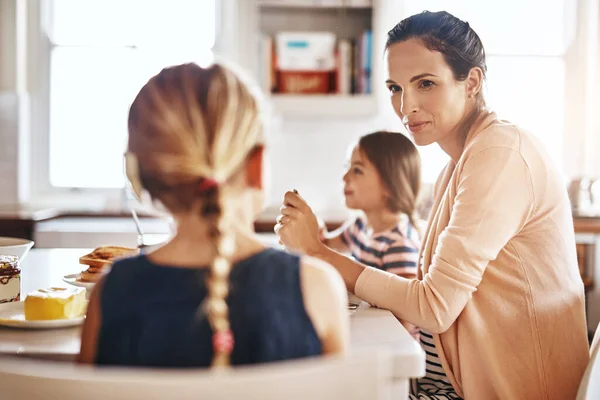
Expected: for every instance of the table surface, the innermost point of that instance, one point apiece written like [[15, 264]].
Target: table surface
[[43, 268]]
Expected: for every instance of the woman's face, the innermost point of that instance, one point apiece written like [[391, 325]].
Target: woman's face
[[424, 93]]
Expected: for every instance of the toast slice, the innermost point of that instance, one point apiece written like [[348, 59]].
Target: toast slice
[[90, 277], [104, 256]]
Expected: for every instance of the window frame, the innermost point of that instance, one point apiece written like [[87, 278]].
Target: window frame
[[40, 47]]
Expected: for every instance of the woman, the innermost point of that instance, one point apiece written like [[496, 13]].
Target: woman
[[498, 296]]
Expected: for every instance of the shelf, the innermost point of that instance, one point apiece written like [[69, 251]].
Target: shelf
[[348, 19], [331, 105]]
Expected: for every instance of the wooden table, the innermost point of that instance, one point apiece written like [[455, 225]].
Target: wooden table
[[42, 268]]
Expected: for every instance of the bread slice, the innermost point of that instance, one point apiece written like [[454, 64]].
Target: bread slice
[[106, 255], [90, 277]]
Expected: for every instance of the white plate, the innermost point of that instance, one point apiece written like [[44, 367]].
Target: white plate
[[73, 279], [13, 315]]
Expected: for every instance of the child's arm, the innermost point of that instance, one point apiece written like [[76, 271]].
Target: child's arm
[[326, 303], [91, 327]]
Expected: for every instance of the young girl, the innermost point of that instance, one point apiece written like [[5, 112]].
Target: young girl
[[214, 295], [382, 181]]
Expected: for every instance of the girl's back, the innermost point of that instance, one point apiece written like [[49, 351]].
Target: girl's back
[[196, 147], [152, 314]]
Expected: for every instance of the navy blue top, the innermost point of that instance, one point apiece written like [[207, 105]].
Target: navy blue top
[[151, 314]]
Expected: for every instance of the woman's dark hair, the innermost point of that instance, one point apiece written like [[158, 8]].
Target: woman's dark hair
[[443, 32]]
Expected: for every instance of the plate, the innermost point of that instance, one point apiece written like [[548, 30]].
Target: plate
[[73, 279], [13, 315]]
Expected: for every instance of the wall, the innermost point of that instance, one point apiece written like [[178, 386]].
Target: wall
[[14, 104], [310, 156]]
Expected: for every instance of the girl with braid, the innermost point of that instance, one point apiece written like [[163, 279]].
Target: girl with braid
[[214, 295]]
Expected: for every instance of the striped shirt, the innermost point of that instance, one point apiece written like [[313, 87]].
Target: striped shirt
[[395, 250], [435, 383]]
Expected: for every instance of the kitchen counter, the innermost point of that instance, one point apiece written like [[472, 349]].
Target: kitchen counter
[[22, 221], [587, 224]]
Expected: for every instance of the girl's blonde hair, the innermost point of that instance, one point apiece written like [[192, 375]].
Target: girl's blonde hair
[[190, 130], [398, 165]]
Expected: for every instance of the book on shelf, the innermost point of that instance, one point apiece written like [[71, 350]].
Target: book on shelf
[[344, 67], [366, 48], [267, 62]]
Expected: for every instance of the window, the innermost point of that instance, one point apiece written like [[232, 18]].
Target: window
[[526, 64], [101, 53]]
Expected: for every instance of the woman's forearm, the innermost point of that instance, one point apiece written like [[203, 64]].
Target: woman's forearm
[[349, 269]]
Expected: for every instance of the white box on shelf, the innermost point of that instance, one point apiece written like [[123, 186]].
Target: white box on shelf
[[305, 51]]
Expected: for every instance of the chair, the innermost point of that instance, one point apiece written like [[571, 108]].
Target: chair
[[358, 376], [590, 383], [595, 340]]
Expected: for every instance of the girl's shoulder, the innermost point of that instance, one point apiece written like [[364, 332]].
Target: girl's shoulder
[[401, 235], [354, 225]]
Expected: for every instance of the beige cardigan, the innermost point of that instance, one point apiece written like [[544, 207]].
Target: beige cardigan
[[499, 285]]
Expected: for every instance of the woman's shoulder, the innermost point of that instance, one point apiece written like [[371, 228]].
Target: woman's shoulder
[[499, 134], [506, 142], [502, 135]]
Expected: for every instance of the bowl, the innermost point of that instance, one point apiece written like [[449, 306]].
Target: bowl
[[15, 247]]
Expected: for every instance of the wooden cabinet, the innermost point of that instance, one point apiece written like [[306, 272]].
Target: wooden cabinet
[[587, 234], [585, 261]]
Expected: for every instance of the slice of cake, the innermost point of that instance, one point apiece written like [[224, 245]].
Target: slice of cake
[[55, 303]]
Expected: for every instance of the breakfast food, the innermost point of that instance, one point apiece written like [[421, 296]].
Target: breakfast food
[[55, 303], [10, 279], [99, 261]]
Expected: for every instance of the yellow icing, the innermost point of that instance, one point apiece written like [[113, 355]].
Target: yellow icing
[[55, 303]]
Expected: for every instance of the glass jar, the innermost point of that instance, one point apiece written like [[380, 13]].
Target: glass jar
[[10, 279]]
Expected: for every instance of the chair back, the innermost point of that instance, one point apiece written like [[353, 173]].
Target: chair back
[[357, 376], [590, 383]]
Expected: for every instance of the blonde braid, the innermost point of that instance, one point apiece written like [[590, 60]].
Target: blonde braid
[[227, 95], [217, 284]]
